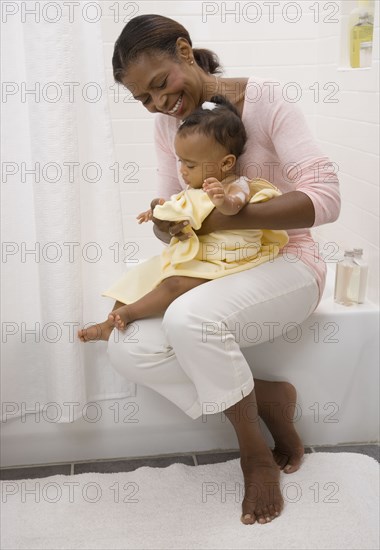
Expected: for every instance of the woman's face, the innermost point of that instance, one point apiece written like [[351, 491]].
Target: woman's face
[[164, 85]]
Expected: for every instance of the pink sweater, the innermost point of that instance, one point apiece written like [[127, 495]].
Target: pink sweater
[[280, 149]]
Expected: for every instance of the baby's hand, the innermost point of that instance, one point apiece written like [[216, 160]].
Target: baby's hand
[[148, 214], [145, 216], [214, 190]]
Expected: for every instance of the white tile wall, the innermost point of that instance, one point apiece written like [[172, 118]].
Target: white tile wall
[[308, 52], [349, 132], [359, 165]]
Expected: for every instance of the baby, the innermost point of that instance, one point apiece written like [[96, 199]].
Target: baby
[[207, 144]]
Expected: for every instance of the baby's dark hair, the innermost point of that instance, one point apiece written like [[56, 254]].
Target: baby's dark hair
[[223, 123]]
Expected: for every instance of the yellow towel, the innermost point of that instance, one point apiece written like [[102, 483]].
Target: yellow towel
[[206, 256]]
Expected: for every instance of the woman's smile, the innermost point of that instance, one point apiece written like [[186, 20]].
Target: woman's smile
[[177, 107], [164, 86]]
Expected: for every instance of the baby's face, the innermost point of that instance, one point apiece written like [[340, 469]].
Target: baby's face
[[200, 157]]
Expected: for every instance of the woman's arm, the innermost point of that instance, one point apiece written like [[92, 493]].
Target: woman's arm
[[289, 211], [315, 198]]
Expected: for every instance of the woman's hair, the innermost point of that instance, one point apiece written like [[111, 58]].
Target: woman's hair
[[223, 123], [155, 33]]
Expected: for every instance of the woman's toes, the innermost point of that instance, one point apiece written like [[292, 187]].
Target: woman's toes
[[288, 462], [293, 464], [277, 509], [267, 515], [260, 516], [272, 511], [248, 519], [290, 468], [281, 460]]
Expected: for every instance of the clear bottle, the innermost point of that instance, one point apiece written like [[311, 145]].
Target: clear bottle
[[346, 280], [363, 266], [361, 35]]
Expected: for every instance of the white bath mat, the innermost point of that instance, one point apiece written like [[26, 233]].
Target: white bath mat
[[331, 502]]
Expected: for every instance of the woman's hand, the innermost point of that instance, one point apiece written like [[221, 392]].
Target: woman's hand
[[171, 229], [163, 229], [147, 216]]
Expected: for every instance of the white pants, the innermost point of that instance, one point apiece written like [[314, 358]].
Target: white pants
[[192, 355]]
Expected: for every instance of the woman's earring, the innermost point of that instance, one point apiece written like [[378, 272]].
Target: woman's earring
[[191, 62]]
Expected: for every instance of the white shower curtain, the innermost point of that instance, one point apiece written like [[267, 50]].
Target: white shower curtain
[[62, 237]]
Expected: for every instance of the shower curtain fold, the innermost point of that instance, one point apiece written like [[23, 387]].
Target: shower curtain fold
[[61, 219]]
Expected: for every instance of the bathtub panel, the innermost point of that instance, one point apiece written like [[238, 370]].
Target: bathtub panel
[[338, 402], [334, 368]]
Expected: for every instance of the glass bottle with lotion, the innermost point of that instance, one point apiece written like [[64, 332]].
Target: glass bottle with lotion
[[363, 266], [346, 279]]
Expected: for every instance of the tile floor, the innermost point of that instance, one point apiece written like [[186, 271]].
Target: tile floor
[[130, 464]]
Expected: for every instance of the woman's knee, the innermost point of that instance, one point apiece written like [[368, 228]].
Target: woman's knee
[[184, 317], [122, 355], [142, 345]]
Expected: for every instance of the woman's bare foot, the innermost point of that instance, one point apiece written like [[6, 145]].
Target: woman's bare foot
[[100, 331], [276, 406], [263, 500], [120, 317]]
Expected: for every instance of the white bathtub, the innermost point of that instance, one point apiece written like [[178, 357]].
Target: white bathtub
[[332, 359], [334, 364]]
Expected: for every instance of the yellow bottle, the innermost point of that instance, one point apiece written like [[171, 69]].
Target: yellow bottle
[[361, 35]]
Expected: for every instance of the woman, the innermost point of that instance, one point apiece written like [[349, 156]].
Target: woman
[[192, 355]]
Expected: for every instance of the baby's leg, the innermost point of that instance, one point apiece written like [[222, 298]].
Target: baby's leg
[[100, 331], [155, 302]]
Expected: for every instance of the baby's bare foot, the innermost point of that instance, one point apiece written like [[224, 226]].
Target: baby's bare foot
[[100, 331], [119, 318], [262, 501]]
